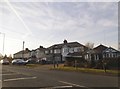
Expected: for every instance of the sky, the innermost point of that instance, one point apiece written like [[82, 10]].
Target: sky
[[47, 23]]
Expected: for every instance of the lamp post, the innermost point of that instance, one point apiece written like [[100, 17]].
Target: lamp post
[[3, 42]]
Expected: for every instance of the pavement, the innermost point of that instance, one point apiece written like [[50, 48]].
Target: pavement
[[19, 77]]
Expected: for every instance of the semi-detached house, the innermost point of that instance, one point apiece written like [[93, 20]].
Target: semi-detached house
[[24, 54], [59, 52]]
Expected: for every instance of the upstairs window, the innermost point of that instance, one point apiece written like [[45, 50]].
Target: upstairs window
[[46, 52], [51, 51], [57, 51], [65, 50], [71, 50], [77, 49]]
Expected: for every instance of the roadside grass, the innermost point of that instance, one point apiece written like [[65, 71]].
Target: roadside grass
[[73, 69], [87, 70], [32, 65]]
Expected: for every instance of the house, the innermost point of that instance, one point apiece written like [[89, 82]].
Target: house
[[100, 52], [59, 52], [95, 53], [24, 54], [53, 53], [111, 53], [33, 54], [40, 53], [18, 55]]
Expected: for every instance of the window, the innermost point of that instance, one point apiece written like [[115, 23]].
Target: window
[[114, 54], [87, 56], [77, 49], [103, 56], [51, 51], [65, 50], [71, 50], [109, 55], [97, 57], [57, 51], [90, 56], [46, 52]]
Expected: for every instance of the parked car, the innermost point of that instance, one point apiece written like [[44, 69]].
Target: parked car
[[4, 62], [19, 62], [31, 61]]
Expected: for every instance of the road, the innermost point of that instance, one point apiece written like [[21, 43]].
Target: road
[[42, 77]]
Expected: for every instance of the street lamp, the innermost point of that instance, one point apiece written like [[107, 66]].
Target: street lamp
[[3, 41]]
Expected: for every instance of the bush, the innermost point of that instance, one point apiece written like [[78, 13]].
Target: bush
[[70, 61]]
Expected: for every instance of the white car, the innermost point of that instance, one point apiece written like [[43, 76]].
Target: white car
[[19, 62], [4, 62]]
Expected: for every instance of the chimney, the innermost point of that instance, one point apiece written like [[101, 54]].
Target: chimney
[[65, 41], [41, 46]]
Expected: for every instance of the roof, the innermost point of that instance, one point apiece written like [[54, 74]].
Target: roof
[[70, 44], [25, 51], [110, 49], [99, 49], [42, 49], [75, 54]]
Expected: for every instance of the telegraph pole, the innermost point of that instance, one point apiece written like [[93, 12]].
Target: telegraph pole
[[23, 50], [3, 42]]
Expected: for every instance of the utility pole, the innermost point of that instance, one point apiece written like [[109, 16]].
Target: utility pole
[[3, 42], [23, 50]]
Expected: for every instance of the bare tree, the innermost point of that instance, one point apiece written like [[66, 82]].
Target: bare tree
[[90, 45], [10, 57]]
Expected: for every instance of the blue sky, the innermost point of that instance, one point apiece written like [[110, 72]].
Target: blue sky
[[48, 23]]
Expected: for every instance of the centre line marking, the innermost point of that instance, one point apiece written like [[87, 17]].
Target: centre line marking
[[19, 79], [71, 84]]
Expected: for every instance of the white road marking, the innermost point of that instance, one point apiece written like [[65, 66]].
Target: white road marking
[[57, 87], [71, 84], [14, 79], [10, 74]]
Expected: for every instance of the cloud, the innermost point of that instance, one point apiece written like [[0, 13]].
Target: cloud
[[64, 0], [51, 22]]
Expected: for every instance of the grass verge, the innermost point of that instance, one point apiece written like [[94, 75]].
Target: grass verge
[[88, 70], [32, 65]]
